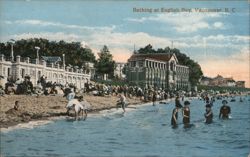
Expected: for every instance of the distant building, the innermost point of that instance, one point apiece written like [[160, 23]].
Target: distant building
[[240, 84], [222, 82], [230, 82], [89, 68], [118, 70], [218, 81], [159, 70], [205, 80]]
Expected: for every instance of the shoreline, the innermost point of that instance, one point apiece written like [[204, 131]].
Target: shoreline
[[38, 119], [46, 120], [49, 108]]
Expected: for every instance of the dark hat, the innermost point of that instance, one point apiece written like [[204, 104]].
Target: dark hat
[[224, 102], [186, 103], [178, 106]]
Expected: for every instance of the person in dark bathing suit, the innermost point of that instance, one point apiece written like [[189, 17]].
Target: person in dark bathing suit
[[177, 102], [154, 98], [175, 116], [224, 110], [207, 99], [186, 113], [209, 114]]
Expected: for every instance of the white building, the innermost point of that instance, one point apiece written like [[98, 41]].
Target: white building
[[35, 68], [160, 70], [118, 70]]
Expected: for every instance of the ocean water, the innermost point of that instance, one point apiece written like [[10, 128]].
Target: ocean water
[[144, 131]]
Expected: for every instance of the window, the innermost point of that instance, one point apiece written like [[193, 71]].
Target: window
[[141, 63], [133, 63], [172, 66], [39, 74], [4, 71], [22, 73]]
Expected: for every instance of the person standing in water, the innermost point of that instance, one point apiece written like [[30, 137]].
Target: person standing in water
[[122, 101], [177, 101], [186, 113], [209, 114], [224, 110], [175, 116], [154, 98]]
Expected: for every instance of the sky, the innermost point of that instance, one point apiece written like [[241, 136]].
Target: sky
[[213, 33]]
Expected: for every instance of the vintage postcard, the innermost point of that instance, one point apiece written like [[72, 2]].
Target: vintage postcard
[[124, 78]]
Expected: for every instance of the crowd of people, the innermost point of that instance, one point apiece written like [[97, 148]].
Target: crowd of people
[[79, 105], [224, 112]]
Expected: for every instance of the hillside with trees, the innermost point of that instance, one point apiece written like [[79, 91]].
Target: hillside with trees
[[195, 71], [75, 54]]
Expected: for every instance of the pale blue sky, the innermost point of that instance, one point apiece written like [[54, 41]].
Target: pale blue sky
[[202, 36]]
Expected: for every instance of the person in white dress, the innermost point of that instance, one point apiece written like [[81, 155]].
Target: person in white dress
[[75, 105]]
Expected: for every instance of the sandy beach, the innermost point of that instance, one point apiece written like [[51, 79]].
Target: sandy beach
[[44, 107]]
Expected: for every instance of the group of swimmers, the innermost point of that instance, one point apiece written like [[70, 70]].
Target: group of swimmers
[[225, 111]]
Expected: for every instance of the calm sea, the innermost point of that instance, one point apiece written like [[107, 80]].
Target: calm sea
[[144, 131]]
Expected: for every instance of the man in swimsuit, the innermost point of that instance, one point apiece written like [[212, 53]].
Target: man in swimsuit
[[186, 113], [209, 114], [175, 116], [154, 98], [177, 102], [224, 110], [122, 102]]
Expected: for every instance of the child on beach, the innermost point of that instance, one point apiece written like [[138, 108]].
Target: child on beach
[[14, 110]]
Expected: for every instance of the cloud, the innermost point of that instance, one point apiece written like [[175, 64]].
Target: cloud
[[47, 35], [58, 24], [128, 39], [219, 25], [183, 22], [213, 41], [121, 45], [235, 65], [193, 27]]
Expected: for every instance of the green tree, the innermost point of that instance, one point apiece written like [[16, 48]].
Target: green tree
[[195, 72], [147, 49], [74, 53], [105, 63]]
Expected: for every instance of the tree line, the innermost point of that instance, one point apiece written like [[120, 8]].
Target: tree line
[[76, 55]]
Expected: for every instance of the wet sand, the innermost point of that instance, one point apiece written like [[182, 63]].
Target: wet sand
[[44, 107]]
